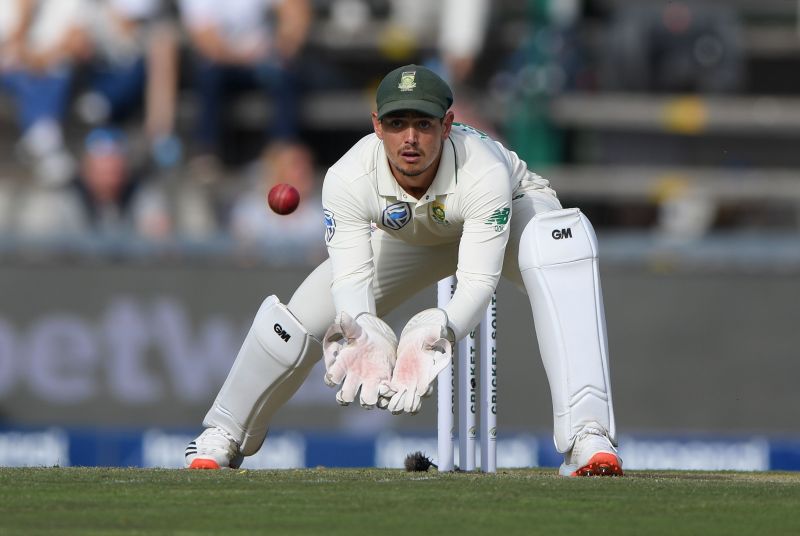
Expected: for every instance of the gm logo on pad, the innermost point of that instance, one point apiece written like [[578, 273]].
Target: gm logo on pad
[[282, 333], [560, 234], [396, 216]]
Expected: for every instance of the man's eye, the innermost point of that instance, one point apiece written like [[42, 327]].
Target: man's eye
[[396, 123], [424, 125]]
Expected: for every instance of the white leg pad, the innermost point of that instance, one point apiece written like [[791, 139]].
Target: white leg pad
[[275, 358], [558, 262]]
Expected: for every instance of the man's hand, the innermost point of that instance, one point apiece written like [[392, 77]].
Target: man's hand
[[425, 349], [361, 352]]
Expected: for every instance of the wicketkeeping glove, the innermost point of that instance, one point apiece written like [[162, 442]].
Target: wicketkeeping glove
[[425, 349], [361, 352]]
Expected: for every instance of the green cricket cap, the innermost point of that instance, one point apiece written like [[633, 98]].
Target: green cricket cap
[[413, 87]]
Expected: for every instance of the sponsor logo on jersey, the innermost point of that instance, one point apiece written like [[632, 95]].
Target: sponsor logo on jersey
[[438, 214], [330, 224], [407, 81], [396, 216], [499, 219]]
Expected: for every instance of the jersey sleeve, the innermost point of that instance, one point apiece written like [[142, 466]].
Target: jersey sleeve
[[347, 236], [486, 207]]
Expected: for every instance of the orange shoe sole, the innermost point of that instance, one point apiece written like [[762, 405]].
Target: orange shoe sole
[[601, 464], [200, 463]]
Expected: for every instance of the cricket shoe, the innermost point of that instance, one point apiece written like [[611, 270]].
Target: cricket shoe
[[592, 455], [213, 449]]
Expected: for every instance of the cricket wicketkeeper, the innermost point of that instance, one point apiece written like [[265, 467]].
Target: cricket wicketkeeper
[[419, 199]]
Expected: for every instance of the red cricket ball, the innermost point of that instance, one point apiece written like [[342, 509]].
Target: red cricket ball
[[283, 198]]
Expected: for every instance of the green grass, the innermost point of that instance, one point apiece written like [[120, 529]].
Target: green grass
[[382, 502]]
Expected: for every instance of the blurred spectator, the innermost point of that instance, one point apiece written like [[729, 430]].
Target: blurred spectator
[[238, 47], [252, 223], [42, 40], [108, 198], [459, 28], [135, 60], [115, 196], [675, 47], [462, 31], [548, 61]]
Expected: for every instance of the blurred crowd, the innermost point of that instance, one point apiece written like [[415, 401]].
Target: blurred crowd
[[118, 118], [94, 89], [92, 96]]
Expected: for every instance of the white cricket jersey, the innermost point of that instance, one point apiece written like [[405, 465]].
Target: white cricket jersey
[[469, 202]]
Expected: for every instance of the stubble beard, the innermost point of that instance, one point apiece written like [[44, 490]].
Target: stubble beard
[[409, 172]]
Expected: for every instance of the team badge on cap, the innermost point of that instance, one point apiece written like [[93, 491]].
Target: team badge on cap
[[407, 81], [396, 216]]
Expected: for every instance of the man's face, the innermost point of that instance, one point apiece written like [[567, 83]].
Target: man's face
[[413, 144], [105, 175]]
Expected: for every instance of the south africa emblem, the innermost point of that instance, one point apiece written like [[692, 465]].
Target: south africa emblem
[[407, 81], [438, 214]]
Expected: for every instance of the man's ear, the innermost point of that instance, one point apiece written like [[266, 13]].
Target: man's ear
[[447, 124], [377, 126]]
